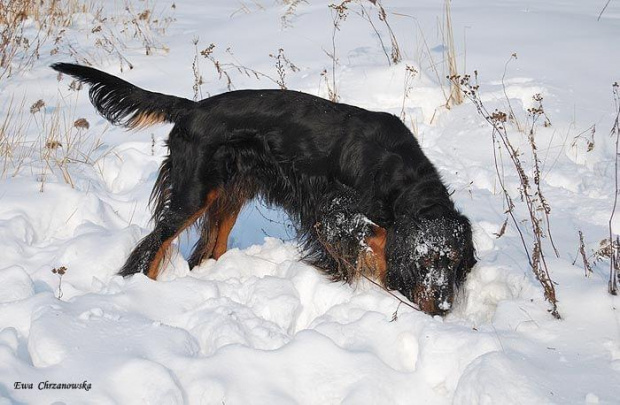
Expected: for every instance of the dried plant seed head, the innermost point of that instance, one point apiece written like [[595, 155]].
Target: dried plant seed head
[[341, 9], [52, 144], [144, 16], [81, 123], [75, 85], [208, 51], [36, 107], [412, 71]]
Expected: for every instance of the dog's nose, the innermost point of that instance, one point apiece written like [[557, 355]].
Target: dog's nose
[[431, 302], [431, 307]]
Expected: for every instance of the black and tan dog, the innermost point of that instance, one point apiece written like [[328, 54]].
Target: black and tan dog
[[366, 199]]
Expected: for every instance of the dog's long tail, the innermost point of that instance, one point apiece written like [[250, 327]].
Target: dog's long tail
[[124, 104]]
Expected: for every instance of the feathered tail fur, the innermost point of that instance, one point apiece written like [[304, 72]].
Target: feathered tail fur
[[124, 104]]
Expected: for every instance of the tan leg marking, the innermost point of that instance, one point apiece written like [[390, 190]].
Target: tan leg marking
[[162, 252], [225, 226]]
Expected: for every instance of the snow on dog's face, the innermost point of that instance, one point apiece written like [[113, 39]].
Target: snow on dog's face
[[429, 258]]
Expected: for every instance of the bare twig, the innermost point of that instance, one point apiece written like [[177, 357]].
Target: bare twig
[[410, 74], [456, 96], [197, 87], [613, 262], [603, 10], [432, 64], [282, 65], [512, 115], [366, 16], [536, 113], [60, 271], [582, 250], [224, 68], [400, 300], [339, 13]]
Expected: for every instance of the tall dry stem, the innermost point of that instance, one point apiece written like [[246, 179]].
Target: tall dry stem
[[533, 200], [614, 264], [456, 95]]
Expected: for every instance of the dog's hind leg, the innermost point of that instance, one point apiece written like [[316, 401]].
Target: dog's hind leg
[[217, 224], [183, 211], [203, 249], [227, 222]]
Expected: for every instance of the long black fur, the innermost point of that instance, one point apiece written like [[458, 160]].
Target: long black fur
[[119, 101], [302, 153]]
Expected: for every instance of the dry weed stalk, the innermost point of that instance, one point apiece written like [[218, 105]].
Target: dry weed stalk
[[394, 56], [60, 272], [13, 145], [331, 93], [589, 140], [603, 10], [143, 24], [283, 64], [290, 12], [537, 207], [605, 250], [614, 262], [198, 82], [60, 140], [584, 257], [534, 115], [244, 8], [511, 114], [26, 26], [219, 68], [339, 13], [456, 96], [424, 51], [609, 248], [366, 16], [410, 74], [20, 45]]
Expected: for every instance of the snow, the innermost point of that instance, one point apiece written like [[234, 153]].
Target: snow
[[259, 326]]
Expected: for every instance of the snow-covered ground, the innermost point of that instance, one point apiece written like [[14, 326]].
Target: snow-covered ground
[[258, 326]]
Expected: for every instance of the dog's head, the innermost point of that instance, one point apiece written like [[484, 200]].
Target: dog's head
[[428, 257]]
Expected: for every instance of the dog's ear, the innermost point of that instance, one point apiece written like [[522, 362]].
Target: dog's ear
[[376, 242]]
